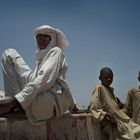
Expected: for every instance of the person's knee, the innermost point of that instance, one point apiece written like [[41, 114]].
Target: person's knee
[[9, 54], [9, 51]]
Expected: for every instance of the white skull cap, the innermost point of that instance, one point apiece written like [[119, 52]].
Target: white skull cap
[[58, 37]]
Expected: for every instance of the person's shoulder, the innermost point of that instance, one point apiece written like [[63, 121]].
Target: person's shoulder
[[56, 49], [98, 90], [99, 87], [134, 90]]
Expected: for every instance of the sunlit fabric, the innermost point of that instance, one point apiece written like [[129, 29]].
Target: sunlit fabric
[[104, 101]]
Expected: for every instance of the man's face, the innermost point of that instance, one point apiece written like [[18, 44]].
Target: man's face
[[106, 78], [43, 40]]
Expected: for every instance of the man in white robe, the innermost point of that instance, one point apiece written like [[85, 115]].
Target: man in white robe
[[132, 104], [44, 93], [104, 108]]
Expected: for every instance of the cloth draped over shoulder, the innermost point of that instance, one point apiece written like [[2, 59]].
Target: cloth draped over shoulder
[[104, 101]]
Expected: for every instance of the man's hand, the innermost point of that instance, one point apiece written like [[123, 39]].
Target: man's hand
[[109, 118], [7, 104]]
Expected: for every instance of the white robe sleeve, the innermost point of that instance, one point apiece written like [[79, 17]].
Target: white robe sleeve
[[46, 77]]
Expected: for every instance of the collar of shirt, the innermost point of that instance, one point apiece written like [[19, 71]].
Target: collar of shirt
[[40, 54]]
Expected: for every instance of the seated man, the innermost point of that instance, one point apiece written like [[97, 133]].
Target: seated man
[[44, 93], [104, 107], [132, 105]]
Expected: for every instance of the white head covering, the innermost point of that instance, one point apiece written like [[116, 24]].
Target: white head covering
[[58, 37]]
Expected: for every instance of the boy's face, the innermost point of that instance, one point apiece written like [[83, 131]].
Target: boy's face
[[106, 78]]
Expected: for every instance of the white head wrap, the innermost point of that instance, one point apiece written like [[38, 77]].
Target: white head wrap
[[58, 37]]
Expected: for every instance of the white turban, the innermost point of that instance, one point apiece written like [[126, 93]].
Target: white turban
[[58, 37]]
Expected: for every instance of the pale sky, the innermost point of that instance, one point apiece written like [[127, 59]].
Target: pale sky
[[100, 33]]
